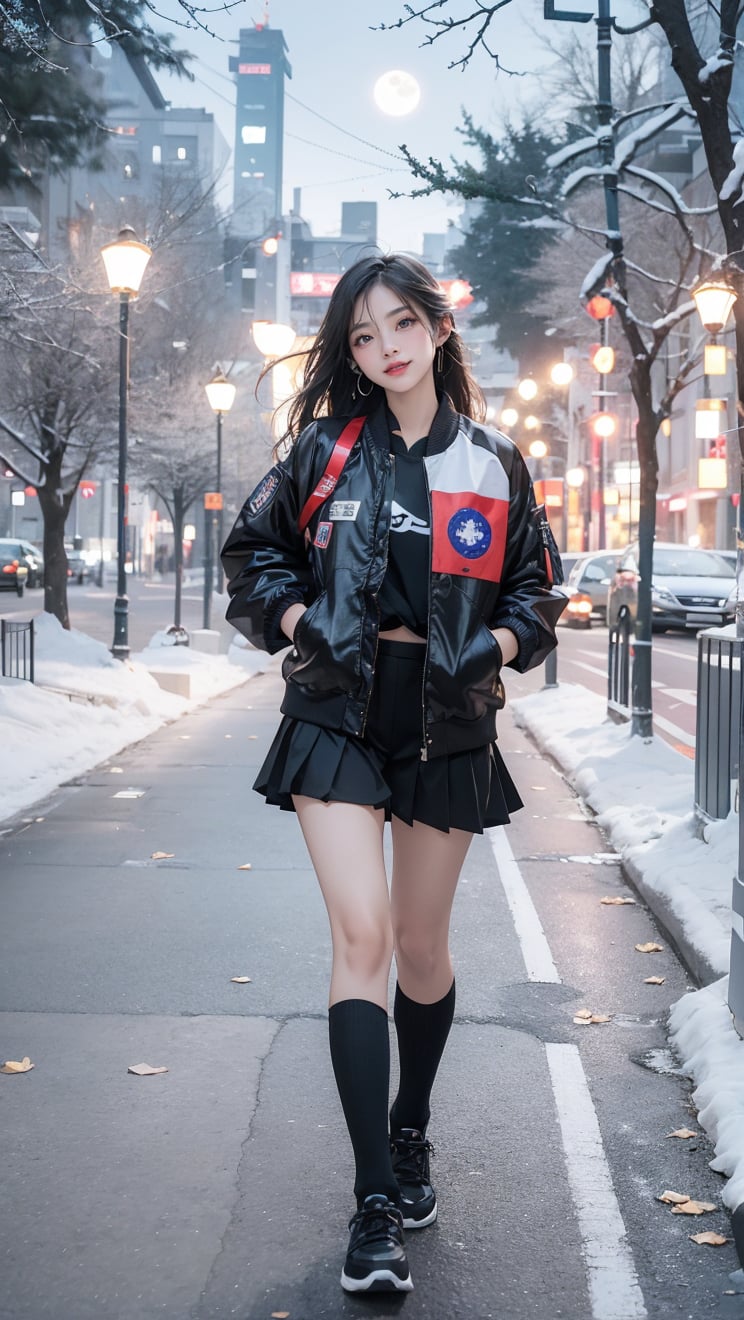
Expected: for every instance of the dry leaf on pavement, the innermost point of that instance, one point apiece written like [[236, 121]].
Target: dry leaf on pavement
[[17, 1066], [280, 1315], [709, 1239], [616, 901], [247, 866], [654, 980], [241, 980], [159, 856], [672, 1198], [585, 1017], [650, 947], [144, 1070], [693, 1208], [683, 1133]]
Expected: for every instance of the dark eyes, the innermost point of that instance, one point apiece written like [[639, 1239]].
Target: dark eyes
[[402, 324]]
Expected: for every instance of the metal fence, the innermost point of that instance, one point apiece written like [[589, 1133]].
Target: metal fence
[[17, 649], [718, 717], [618, 671]]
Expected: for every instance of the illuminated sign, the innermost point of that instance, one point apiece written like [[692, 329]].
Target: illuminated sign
[[264, 69], [310, 284]]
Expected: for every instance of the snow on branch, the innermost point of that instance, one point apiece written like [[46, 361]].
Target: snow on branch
[[668, 188], [731, 185], [571, 152], [583, 174], [596, 276], [673, 318], [628, 145]]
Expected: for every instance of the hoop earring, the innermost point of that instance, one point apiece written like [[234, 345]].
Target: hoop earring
[[364, 393]]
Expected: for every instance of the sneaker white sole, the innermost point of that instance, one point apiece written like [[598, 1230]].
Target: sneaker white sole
[[377, 1281], [420, 1223]]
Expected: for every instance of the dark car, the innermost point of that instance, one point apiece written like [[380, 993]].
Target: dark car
[[690, 588], [27, 554], [587, 586], [13, 573]]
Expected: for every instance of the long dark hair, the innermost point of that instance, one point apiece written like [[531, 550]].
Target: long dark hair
[[329, 382]]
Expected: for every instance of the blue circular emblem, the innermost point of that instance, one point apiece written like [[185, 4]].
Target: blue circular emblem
[[469, 533]]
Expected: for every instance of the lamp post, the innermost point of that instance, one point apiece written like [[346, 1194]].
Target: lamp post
[[221, 395], [125, 262]]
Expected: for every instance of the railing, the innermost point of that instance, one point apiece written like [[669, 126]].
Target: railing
[[17, 649], [618, 671], [718, 717]]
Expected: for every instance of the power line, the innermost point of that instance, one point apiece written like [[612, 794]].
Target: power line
[[346, 156]]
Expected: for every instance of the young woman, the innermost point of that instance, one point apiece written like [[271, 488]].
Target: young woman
[[397, 547]]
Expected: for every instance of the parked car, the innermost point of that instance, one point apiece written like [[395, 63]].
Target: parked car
[[690, 588], [79, 564], [587, 586], [13, 573], [27, 554]]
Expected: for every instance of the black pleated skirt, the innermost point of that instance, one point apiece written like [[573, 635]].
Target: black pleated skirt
[[466, 791]]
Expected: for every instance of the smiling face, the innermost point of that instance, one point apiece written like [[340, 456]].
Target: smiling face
[[392, 342]]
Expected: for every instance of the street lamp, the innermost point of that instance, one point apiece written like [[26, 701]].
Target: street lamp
[[221, 395], [125, 262], [713, 301]]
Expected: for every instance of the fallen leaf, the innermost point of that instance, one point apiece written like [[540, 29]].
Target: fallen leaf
[[616, 901], [159, 856], [280, 1315], [654, 980], [693, 1208], [650, 947], [672, 1198], [585, 1017], [16, 1066], [683, 1133], [240, 980], [144, 1070], [710, 1240], [247, 866]]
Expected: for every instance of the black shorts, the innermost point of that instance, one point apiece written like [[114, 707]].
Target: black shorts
[[465, 791]]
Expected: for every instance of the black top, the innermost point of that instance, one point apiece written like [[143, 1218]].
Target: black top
[[404, 594]]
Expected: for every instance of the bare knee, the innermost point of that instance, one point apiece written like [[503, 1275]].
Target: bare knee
[[364, 946], [420, 955]]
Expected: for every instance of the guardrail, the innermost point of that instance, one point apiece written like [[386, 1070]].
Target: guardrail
[[17, 649], [618, 671], [718, 719]]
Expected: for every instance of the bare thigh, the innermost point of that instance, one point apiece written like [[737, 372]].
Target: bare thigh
[[344, 840]]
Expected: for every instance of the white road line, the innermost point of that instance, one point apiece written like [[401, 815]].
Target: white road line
[[593, 669], [535, 948], [687, 738], [614, 1291]]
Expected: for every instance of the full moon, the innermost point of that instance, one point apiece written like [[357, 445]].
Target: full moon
[[397, 92]]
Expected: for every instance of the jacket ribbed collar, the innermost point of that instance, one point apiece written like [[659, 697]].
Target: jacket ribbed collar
[[443, 428]]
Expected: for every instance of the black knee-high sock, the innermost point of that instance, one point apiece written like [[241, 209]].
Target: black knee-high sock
[[360, 1054], [422, 1035]]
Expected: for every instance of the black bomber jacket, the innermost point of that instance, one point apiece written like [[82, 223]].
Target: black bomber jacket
[[491, 556]]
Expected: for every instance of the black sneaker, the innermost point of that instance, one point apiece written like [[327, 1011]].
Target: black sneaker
[[418, 1200], [376, 1259]]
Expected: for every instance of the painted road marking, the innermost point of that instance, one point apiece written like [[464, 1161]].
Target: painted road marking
[[538, 959], [687, 738], [614, 1291]]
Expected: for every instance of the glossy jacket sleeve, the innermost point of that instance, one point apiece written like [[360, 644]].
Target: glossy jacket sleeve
[[528, 604], [264, 557]]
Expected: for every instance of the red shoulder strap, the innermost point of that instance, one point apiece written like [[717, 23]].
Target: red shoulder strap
[[327, 483]]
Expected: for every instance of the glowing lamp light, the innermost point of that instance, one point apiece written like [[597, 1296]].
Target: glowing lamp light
[[709, 418], [712, 474], [599, 307], [509, 417], [603, 358], [531, 423], [562, 373], [527, 389], [125, 262], [604, 425], [713, 300], [715, 360], [575, 477], [538, 448], [270, 246], [220, 393], [273, 339]]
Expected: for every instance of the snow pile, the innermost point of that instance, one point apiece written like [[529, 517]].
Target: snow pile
[[86, 706]]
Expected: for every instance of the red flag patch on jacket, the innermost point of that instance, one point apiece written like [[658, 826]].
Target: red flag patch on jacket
[[470, 510]]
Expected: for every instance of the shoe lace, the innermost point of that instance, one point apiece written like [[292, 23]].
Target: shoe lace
[[412, 1159], [375, 1224]]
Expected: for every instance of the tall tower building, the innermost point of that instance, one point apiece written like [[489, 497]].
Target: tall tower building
[[260, 69]]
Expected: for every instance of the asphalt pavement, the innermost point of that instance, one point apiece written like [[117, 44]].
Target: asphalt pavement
[[222, 1187]]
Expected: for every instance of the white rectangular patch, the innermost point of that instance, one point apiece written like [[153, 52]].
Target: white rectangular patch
[[344, 510]]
